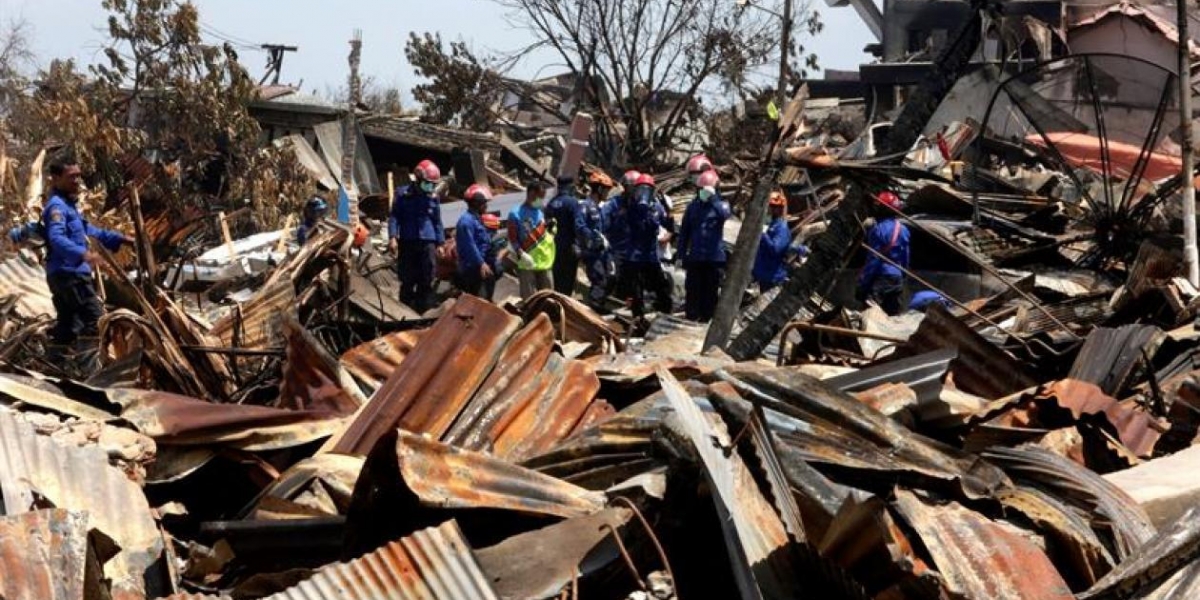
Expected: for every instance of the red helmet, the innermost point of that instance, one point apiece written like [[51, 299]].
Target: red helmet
[[645, 179], [699, 164], [427, 170], [777, 199], [491, 221], [361, 235], [479, 193], [708, 178], [889, 200], [630, 178]]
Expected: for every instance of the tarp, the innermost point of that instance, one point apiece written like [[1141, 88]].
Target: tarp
[[1082, 150]]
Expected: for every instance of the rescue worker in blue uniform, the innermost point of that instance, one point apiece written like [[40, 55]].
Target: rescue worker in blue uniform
[[922, 300], [477, 262], [642, 262], [29, 233], [615, 215], [69, 261], [594, 248], [881, 282], [562, 212], [775, 247], [314, 211], [702, 249], [415, 230]]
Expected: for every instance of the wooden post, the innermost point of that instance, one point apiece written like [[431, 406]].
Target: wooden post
[[281, 245], [225, 235], [145, 252]]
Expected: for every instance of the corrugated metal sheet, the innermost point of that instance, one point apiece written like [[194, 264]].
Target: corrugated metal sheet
[[1136, 429], [1173, 549], [574, 321], [312, 378], [440, 138], [43, 555], [978, 360], [754, 534], [1109, 357], [978, 558], [373, 362], [28, 283], [80, 478], [258, 323], [922, 373]]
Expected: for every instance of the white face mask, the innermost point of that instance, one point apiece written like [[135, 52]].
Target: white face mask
[[707, 193]]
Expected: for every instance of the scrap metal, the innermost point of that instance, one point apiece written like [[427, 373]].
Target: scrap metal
[[44, 556]]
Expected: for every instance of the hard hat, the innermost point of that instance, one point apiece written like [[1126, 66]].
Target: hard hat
[[361, 235], [317, 204], [889, 199], [630, 178], [478, 193], [427, 170], [645, 179], [599, 179], [491, 221], [777, 199], [708, 178], [699, 164]]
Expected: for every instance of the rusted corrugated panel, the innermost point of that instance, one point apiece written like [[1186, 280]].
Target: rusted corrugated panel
[[257, 323], [1173, 549], [551, 417], [445, 369], [80, 478], [1136, 429], [312, 378], [450, 477], [1109, 356], [43, 555], [597, 412], [754, 534], [979, 559], [574, 321], [978, 360], [28, 283], [373, 362]]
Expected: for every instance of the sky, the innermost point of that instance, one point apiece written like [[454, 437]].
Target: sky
[[322, 29]]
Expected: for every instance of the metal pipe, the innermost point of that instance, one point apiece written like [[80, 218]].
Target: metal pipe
[[1191, 259]]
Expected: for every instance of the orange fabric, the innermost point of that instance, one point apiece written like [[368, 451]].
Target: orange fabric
[[1082, 150]]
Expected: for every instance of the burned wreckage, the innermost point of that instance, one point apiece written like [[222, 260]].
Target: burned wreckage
[[281, 426]]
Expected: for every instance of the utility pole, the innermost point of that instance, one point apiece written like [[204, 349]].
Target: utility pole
[[350, 129], [275, 61], [785, 46], [1190, 258]]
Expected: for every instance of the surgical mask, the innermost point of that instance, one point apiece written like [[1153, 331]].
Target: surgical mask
[[694, 178], [538, 203], [428, 187], [706, 194]]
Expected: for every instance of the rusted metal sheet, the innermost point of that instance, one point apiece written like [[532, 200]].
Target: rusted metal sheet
[[446, 368], [312, 378], [597, 412], [574, 321], [373, 362], [978, 360], [37, 395], [28, 283], [1075, 547], [43, 555], [754, 534], [258, 322], [79, 478], [320, 485], [1135, 428], [449, 477], [977, 558], [178, 420], [1109, 356], [1172, 550]]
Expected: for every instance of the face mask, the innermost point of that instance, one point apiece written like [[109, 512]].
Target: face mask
[[706, 194], [428, 187], [538, 203]]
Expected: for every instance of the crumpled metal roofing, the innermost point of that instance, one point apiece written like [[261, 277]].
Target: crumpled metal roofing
[[1109, 357], [574, 321], [80, 478], [257, 323], [28, 283], [373, 362], [43, 555], [313, 378], [1136, 429], [1173, 550]]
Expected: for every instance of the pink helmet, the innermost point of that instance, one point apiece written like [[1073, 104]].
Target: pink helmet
[[699, 164], [629, 179], [708, 178], [477, 192], [427, 170], [645, 179]]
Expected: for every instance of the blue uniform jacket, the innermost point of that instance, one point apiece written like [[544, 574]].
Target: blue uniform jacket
[[563, 212], [615, 216], [66, 237], [302, 231], [645, 217], [924, 298], [590, 227], [880, 238], [416, 216], [473, 242], [770, 263], [700, 237]]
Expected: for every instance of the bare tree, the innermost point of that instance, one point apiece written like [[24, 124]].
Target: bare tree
[[16, 59], [461, 89]]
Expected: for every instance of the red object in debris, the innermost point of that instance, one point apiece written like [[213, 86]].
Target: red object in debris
[[361, 235], [943, 147], [1082, 150]]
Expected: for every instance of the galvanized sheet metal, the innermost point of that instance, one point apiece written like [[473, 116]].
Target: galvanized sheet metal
[[977, 558], [43, 555], [80, 478], [28, 283], [1109, 356]]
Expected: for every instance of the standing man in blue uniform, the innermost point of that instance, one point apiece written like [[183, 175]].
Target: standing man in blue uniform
[[477, 264], [881, 282], [770, 263], [314, 211], [415, 230], [563, 213], [702, 248], [69, 261], [642, 260], [594, 248], [615, 214]]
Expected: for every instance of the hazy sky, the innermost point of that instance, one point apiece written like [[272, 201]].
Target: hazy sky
[[76, 28]]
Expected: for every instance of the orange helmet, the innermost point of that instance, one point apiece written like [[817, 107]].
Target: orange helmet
[[600, 179], [491, 221], [777, 199], [427, 170], [361, 235]]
